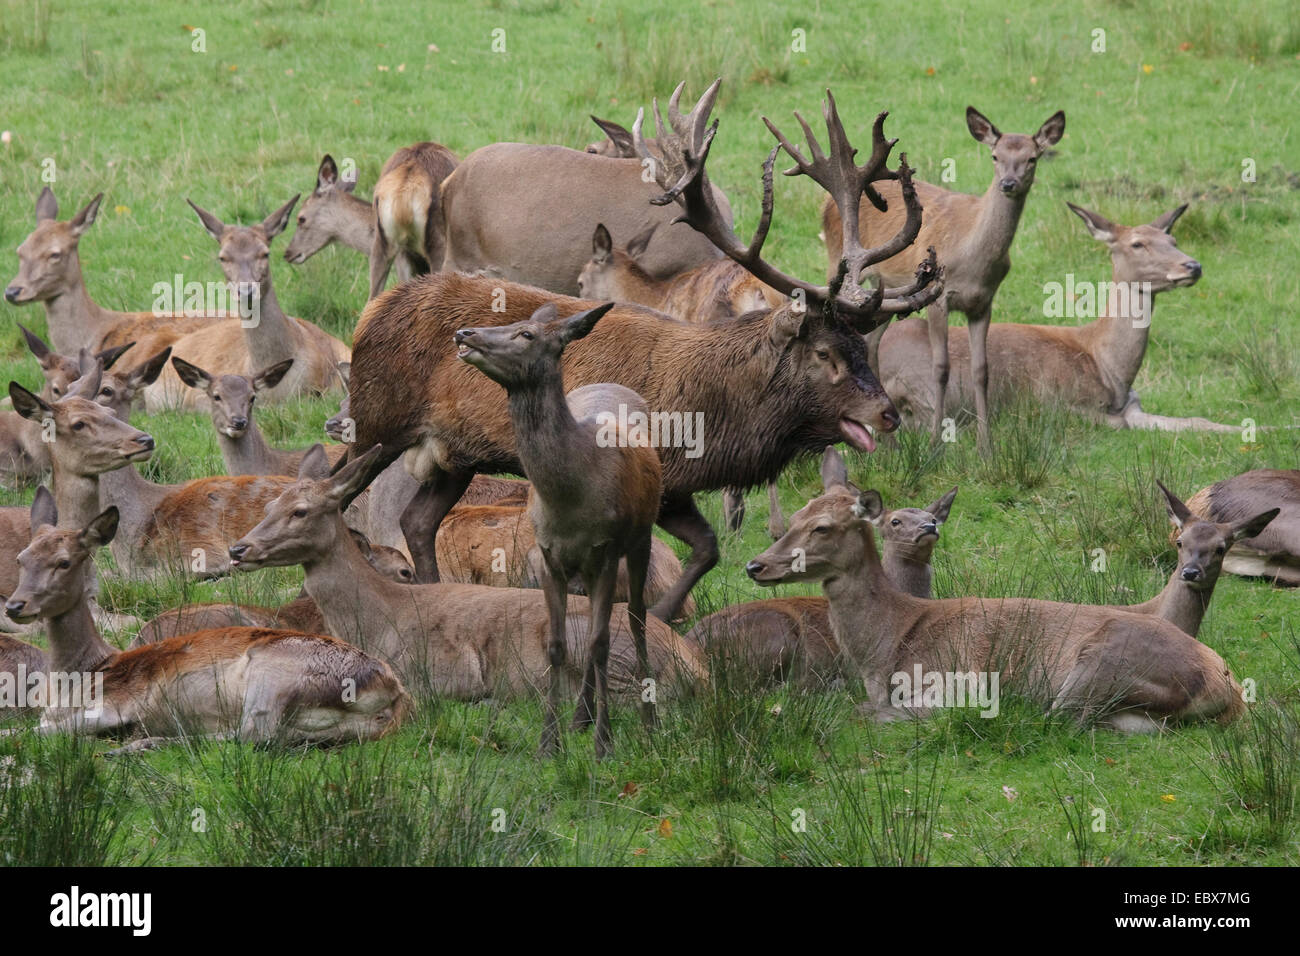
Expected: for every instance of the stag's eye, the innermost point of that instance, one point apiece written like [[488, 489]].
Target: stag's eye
[[823, 355]]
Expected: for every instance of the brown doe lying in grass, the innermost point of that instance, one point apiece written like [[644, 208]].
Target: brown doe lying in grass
[[455, 640], [254, 684], [1273, 553], [595, 495], [1126, 671]]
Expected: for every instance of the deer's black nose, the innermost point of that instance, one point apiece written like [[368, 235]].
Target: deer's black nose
[[1010, 185], [1192, 574], [463, 334], [13, 292], [14, 608], [145, 441], [240, 423], [1194, 267], [891, 419], [754, 568], [238, 550]]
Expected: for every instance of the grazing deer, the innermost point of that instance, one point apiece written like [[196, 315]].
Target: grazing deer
[[1088, 368], [593, 502], [785, 637], [766, 386], [300, 614], [1130, 672], [230, 400], [49, 272], [404, 222], [722, 289], [266, 338], [1201, 546], [972, 235], [459, 640], [1273, 553], [254, 684]]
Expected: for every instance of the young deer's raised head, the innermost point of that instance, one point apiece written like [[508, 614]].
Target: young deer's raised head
[[829, 536], [48, 266], [231, 397], [1015, 155], [523, 352], [246, 252], [1146, 253], [52, 568], [1202, 544], [305, 522], [325, 214], [120, 386], [60, 371], [613, 273], [912, 531], [86, 438]]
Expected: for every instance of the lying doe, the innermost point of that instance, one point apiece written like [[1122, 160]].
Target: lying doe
[[593, 502], [1131, 672], [254, 684], [1273, 553], [459, 640]]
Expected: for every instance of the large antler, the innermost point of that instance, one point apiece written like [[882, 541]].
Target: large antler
[[679, 170]]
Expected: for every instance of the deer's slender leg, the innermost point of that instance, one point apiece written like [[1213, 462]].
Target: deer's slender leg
[[776, 526], [556, 588], [937, 316], [602, 603], [638, 566], [381, 260], [979, 370], [733, 508], [422, 517], [682, 519]]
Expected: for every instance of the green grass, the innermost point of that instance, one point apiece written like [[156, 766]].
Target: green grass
[[1181, 97]]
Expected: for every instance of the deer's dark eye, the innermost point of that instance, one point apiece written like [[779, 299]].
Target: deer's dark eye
[[216, 398], [895, 522], [300, 512], [1219, 550], [823, 355], [302, 220], [1137, 245], [821, 529], [78, 426], [64, 565], [526, 334]]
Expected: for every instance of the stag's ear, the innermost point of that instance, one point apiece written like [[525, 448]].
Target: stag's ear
[[1050, 133], [147, 372], [619, 136], [641, 241], [315, 464], [270, 377], [785, 325], [101, 530], [1166, 222], [327, 176], [109, 356], [29, 406], [86, 218], [1179, 513], [355, 475], [980, 127], [36, 345], [835, 473], [191, 375], [1253, 526], [1099, 227], [211, 223], [869, 506], [578, 325], [274, 224], [941, 507], [47, 207], [602, 246], [44, 512]]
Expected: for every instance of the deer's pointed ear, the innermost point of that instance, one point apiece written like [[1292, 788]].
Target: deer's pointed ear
[[941, 507], [355, 475], [36, 345], [147, 372], [47, 207], [92, 374], [327, 176], [1099, 227], [618, 135], [315, 465], [270, 377], [109, 356], [275, 223], [981, 128], [86, 218], [44, 512], [191, 375], [1050, 133], [101, 530], [835, 473], [211, 223], [641, 241], [29, 406], [1166, 222], [869, 506], [1179, 513], [345, 373], [362, 543], [784, 325], [579, 324], [1253, 526], [602, 246]]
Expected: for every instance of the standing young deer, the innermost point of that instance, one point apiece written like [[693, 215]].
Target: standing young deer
[[255, 684], [972, 235], [266, 338], [49, 272], [1131, 672], [1201, 546], [785, 637], [1088, 368], [1273, 553], [768, 385], [458, 640], [404, 221], [593, 502]]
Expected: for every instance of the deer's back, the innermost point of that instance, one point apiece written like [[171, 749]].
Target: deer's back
[[1250, 493], [775, 637]]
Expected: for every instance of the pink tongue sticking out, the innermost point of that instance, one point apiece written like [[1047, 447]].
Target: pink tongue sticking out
[[857, 435]]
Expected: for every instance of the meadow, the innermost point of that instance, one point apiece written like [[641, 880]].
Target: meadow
[[1183, 105]]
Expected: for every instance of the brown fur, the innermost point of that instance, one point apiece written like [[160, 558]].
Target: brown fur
[[408, 213], [1274, 553]]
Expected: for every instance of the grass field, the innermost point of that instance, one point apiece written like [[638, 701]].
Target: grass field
[[1183, 100]]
